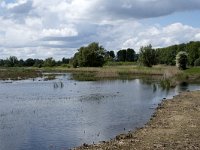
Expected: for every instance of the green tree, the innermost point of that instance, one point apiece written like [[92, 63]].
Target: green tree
[[12, 61], [38, 63], [193, 50], [147, 56], [75, 60], [112, 54], [29, 62], [49, 62], [65, 60], [89, 56], [130, 55], [181, 60], [121, 55]]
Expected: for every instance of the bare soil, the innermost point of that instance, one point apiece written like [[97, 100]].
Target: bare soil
[[175, 125]]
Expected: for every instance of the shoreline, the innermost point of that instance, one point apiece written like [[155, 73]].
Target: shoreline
[[175, 124]]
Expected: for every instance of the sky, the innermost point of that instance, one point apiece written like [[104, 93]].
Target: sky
[[57, 28]]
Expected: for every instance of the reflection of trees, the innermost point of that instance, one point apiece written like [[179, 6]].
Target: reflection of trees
[[182, 86]]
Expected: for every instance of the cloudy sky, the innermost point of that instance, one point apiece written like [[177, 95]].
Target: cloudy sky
[[56, 28]]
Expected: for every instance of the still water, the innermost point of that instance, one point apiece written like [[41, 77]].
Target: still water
[[63, 113]]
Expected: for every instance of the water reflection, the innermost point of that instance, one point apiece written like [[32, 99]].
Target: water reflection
[[37, 116], [57, 85]]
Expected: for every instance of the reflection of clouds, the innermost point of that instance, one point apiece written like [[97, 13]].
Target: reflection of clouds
[[59, 117]]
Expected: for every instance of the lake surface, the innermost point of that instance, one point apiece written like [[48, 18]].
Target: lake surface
[[63, 113]]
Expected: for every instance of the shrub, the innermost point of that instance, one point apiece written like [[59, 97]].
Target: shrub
[[181, 60], [197, 62], [147, 56]]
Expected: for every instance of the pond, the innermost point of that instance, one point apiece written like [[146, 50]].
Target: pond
[[63, 113]]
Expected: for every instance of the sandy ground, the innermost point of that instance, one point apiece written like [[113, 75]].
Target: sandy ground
[[175, 125]]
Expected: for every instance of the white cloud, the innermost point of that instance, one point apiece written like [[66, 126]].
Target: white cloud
[[163, 36], [29, 27], [64, 32]]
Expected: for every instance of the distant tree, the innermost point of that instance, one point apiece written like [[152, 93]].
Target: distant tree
[[65, 60], [1, 62], [112, 54], [29, 62], [193, 50], [167, 55], [121, 55], [75, 60], [147, 56], [12, 61], [130, 55], [38, 63], [109, 56], [21, 63], [181, 60], [89, 56], [49, 62]]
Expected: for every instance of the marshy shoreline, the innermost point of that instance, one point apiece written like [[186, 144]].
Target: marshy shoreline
[[174, 125], [171, 73]]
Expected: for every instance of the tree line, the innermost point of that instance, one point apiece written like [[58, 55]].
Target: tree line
[[13, 61], [95, 55]]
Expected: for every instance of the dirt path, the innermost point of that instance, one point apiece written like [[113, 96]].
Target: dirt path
[[174, 125]]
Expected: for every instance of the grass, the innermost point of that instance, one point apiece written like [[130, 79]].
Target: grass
[[161, 72], [193, 71], [18, 73], [192, 74]]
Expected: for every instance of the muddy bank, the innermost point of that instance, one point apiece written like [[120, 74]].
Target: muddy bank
[[174, 125]]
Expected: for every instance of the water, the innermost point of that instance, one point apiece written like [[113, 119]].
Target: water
[[63, 113]]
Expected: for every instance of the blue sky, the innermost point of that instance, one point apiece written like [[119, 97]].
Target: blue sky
[[188, 18], [57, 28]]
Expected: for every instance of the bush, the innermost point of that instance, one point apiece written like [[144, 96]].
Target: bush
[[181, 60], [89, 56], [147, 56], [197, 62]]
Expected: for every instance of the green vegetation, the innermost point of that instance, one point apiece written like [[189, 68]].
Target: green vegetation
[[126, 55], [181, 60], [167, 55], [89, 56], [197, 62], [93, 62], [147, 56], [18, 73], [13, 61]]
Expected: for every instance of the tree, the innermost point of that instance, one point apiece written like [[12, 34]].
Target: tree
[[121, 55], [181, 60], [38, 63], [193, 50], [89, 56], [12, 61], [112, 54], [147, 56], [21, 63], [130, 54], [49, 62], [109, 56], [65, 60], [29, 62]]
